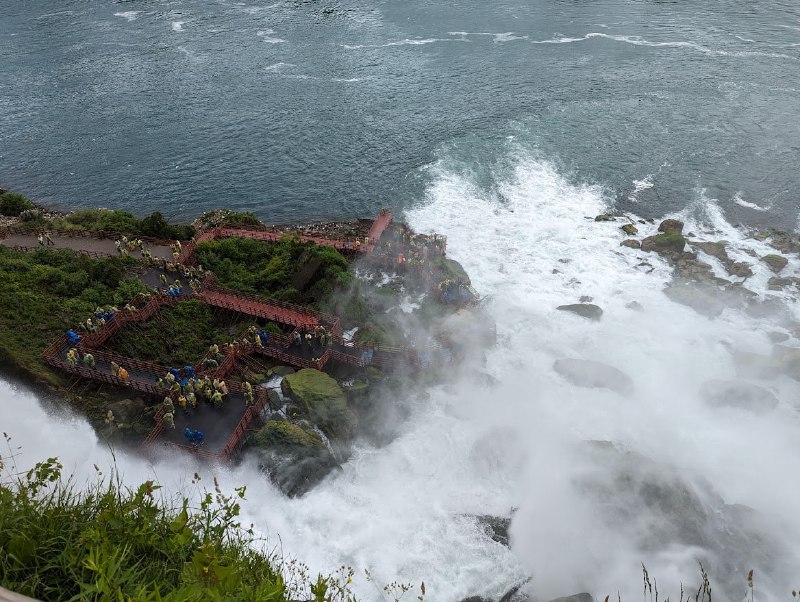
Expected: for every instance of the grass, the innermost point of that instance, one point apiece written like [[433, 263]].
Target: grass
[[44, 292], [111, 542]]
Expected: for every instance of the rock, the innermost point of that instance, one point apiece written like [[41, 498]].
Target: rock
[[700, 299], [786, 360], [778, 337], [717, 250], [584, 597], [357, 391], [321, 399], [585, 299], [280, 371], [127, 411], [775, 262], [495, 527], [631, 243], [630, 229], [635, 306], [593, 374], [738, 394], [586, 310], [784, 242], [668, 243], [740, 269], [671, 225], [274, 398], [605, 217], [753, 365], [295, 458]]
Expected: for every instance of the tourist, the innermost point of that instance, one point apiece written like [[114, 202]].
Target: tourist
[[114, 368], [49, 240], [169, 419], [122, 373], [88, 360], [40, 238]]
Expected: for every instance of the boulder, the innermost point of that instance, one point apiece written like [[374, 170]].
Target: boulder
[[668, 243], [280, 371], [701, 299], [753, 365], [496, 527], [584, 597], [586, 310], [274, 398], [630, 229], [775, 262], [738, 394], [631, 243], [671, 225], [605, 217], [596, 375], [127, 411], [294, 456], [322, 400]]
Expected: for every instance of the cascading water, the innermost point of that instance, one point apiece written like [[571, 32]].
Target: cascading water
[[600, 482]]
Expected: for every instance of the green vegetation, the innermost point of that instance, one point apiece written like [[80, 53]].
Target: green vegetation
[[115, 543], [321, 399], [13, 203], [44, 292], [108, 220], [288, 269], [450, 269], [226, 217], [180, 335]]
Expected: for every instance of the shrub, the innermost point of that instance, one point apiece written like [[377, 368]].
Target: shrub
[[13, 203]]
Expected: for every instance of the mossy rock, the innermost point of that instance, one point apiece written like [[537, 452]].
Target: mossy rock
[[284, 435], [668, 243], [775, 262], [321, 399], [357, 392], [630, 229], [450, 269], [671, 225], [280, 371]]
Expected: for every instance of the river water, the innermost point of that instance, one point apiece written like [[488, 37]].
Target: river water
[[502, 126]]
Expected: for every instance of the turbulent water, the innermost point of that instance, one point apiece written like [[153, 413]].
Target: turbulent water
[[298, 109], [503, 126], [584, 519]]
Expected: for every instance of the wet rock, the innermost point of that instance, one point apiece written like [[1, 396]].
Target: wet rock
[[630, 229], [776, 283], [606, 217], [631, 243], [127, 411], [668, 243], [784, 242], [635, 306], [775, 262], [778, 337], [594, 375], [786, 360], [738, 394], [321, 399], [671, 225], [690, 268], [495, 527], [584, 597], [294, 457], [280, 371], [700, 299], [740, 269], [753, 365], [274, 398], [585, 299], [585, 310]]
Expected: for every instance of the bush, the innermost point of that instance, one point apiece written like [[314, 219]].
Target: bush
[[13, 203]]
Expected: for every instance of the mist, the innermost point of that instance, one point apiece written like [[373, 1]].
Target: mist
[[596, 483]]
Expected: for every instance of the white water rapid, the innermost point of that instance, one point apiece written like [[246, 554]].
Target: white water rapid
[[673, 489]]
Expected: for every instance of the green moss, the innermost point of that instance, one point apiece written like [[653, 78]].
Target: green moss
[[450, 269], [285, 434], [321, 399]]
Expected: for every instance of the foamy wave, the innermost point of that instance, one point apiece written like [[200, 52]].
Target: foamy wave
[[278, 66], [737, 198], [130, 15], [406, 42], [508, 36], [177, 25], [343, 80], [265, 36], [638, 41]]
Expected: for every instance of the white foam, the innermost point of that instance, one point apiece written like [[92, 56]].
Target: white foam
[[278, 66], [177, 25], [406, 42], [266, 36], [638, 41], [508, 36], [737, 198], [130, 15]]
